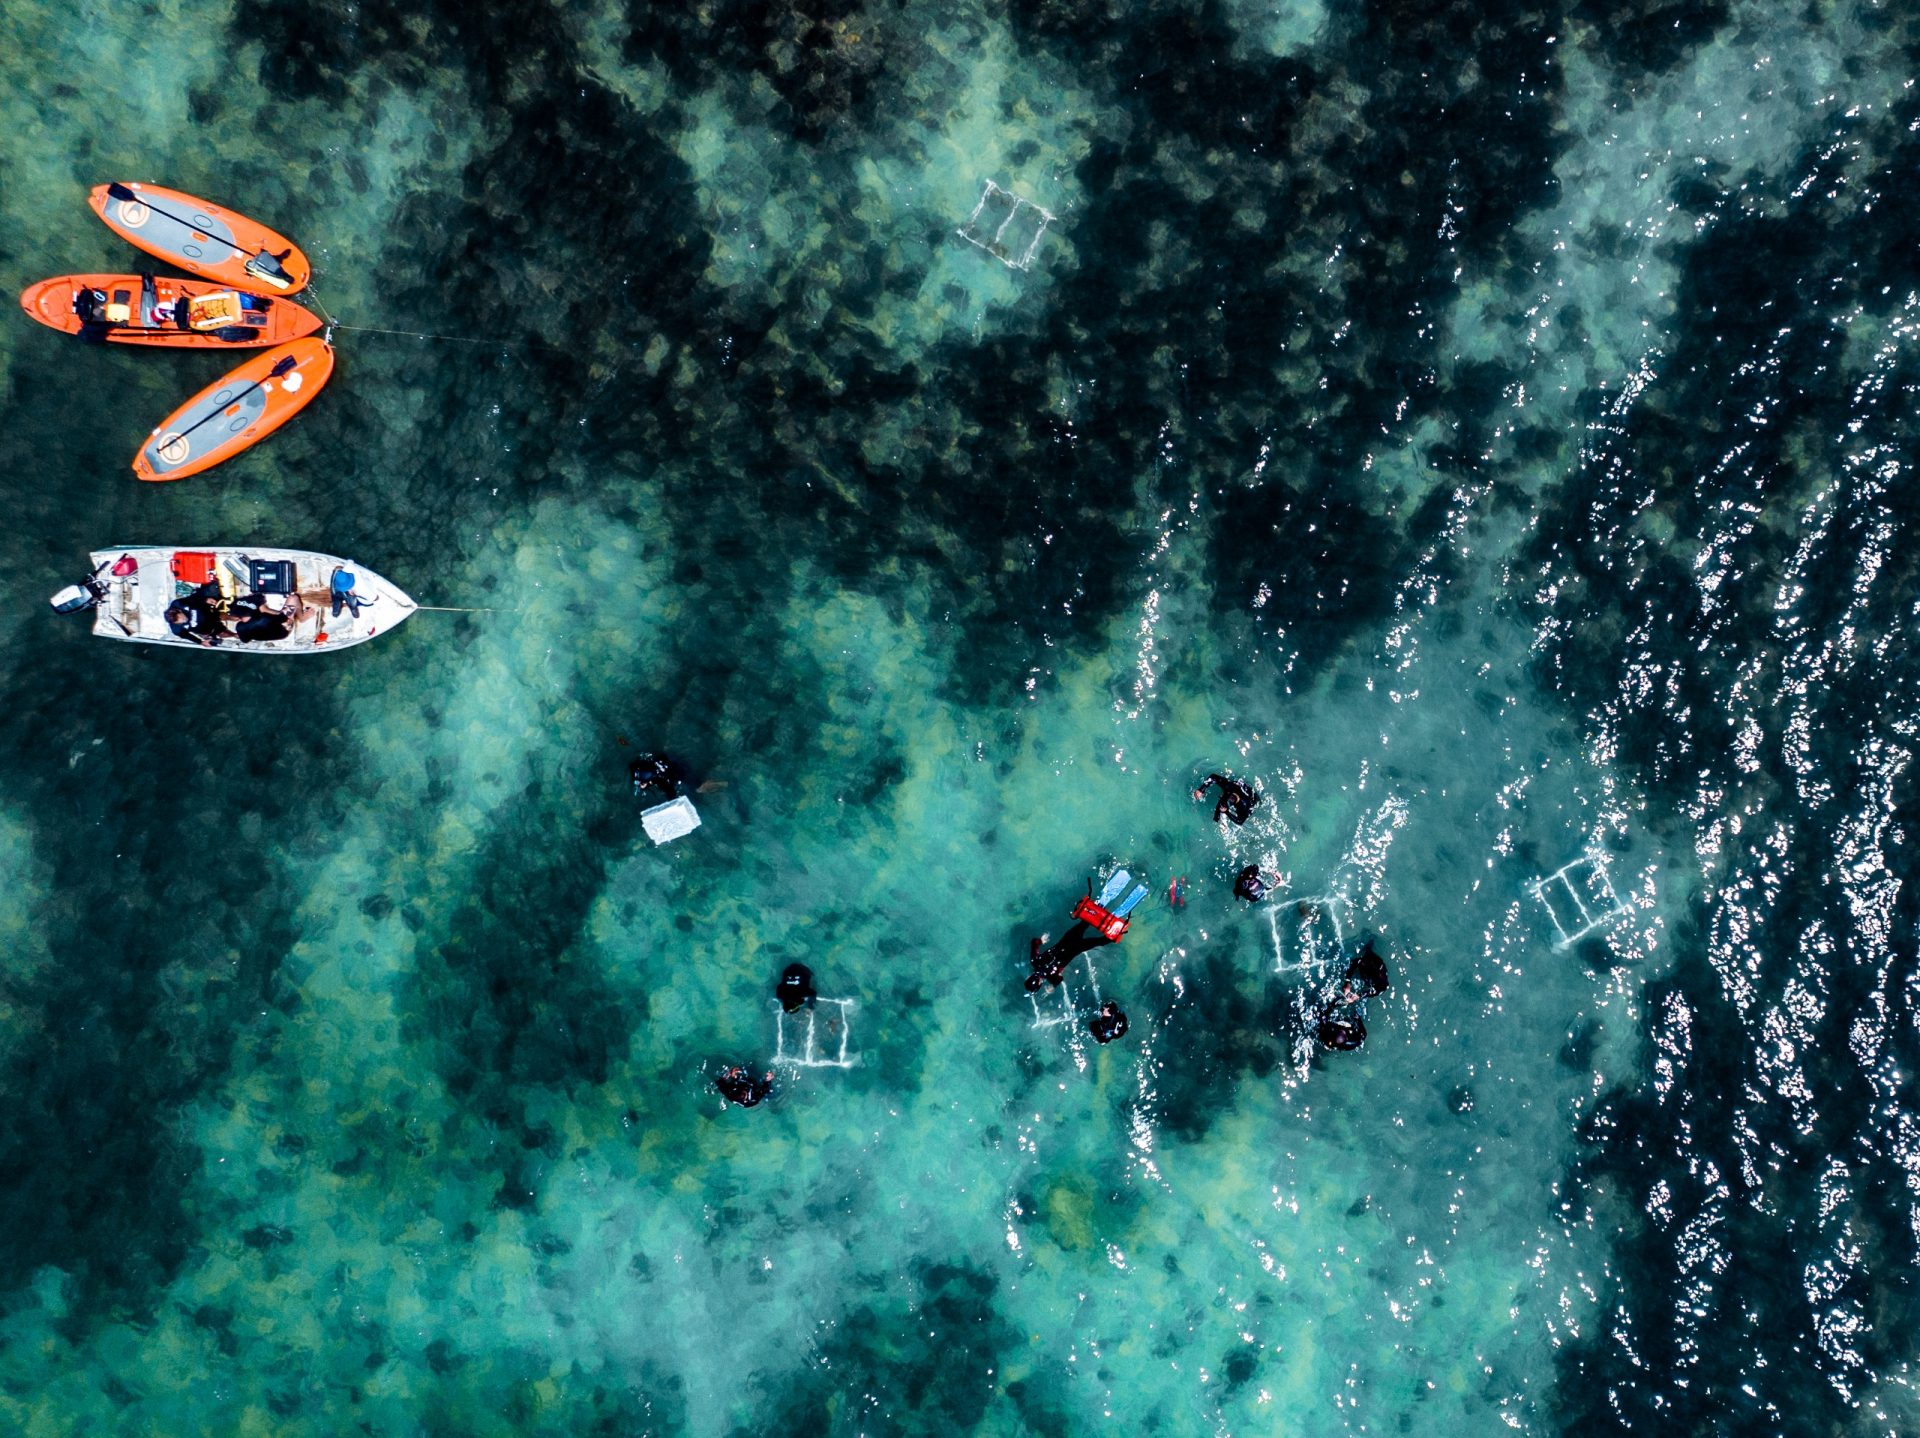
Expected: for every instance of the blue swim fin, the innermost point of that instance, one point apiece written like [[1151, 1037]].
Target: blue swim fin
[[1130, 903], [1115, 887]]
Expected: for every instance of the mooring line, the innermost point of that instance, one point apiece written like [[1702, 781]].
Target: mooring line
[[334, 324]]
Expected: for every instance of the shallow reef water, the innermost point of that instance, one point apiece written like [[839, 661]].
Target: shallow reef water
[[1487, 427]]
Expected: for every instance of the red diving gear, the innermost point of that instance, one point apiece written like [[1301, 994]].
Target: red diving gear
[[1110, 925]]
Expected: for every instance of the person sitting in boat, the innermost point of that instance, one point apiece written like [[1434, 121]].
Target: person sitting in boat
[[1236, 799], [257, 622], [192, 618], [264, 627], [341, 588], [658, 773]]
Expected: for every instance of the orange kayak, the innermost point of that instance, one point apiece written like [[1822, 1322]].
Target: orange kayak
[[165, 312], [201, 237], [236, 411]]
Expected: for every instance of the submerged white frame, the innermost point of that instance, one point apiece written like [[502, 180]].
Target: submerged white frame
[[1612, 906], [972, 235], [809, 1056]]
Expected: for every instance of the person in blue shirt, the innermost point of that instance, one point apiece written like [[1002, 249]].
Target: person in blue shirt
[[343, 595]]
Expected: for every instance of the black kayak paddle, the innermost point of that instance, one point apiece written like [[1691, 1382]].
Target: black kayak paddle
[[123, 194]]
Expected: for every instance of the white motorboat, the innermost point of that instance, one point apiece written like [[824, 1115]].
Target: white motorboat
[[245, 598]]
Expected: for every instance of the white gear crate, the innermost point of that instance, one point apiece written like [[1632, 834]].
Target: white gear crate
[[674, 819]]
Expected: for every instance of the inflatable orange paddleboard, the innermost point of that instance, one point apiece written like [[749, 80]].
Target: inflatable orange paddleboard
[[236, 411], [166, 312], [201, 237]]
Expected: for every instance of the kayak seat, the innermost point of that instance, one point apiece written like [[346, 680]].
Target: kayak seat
[[214, 311]]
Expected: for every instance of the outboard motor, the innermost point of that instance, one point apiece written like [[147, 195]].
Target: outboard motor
[[76, 597]]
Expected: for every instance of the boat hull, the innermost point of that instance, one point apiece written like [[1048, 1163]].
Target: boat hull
[[51, 303], [134, 609]]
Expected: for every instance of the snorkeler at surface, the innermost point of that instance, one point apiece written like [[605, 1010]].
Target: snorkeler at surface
[[1345, 1032], [1050, 964], [795, 989], [1365, 978], [656, 772], [1236, 799], [1109, 1024], [736, 1085], [1250, 884]]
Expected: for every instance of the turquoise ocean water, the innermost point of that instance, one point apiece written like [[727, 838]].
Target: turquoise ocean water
[[1488, 427]]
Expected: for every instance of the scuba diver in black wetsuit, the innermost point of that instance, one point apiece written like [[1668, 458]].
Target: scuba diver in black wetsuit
[[1237, 801], [1365, 978], [795, 989], [255, 622], [1109, 1024], [1250, 884], [1344, 1032], [659, 773], [736, 1085], [1050, 964], [194, 617]]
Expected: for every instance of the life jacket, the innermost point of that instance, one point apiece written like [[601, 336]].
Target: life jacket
[[214, 311], [1110, 924]]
